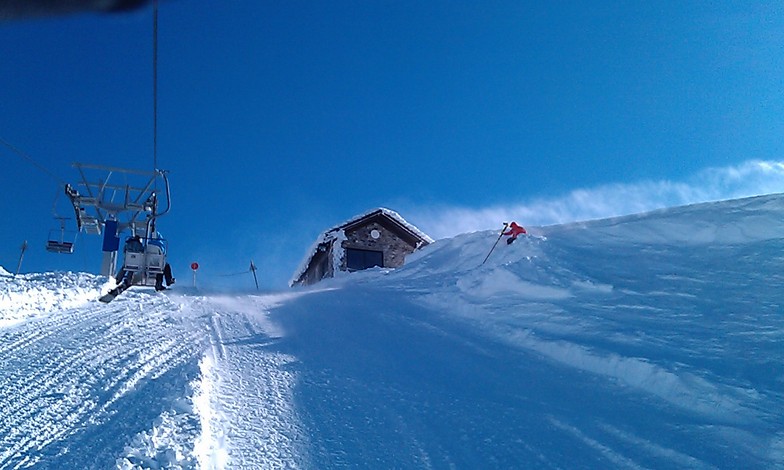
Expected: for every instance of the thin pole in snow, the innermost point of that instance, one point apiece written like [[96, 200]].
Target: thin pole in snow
[[21, 255], [253, 270], [194, 267]]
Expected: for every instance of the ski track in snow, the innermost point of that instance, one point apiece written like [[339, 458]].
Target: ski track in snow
[[53, 386], [147, 381], [252, 418], [245, 394], [69, 367]]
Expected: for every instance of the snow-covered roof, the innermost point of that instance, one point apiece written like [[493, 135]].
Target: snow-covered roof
[[392, 215], [331, 233]]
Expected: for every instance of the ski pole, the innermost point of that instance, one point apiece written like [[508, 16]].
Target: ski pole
[[496, 242]]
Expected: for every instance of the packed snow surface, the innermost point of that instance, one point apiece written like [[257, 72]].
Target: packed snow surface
[[651, 341]]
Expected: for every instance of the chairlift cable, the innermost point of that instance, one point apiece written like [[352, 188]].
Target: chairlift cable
[[155, 86], [31, 160], [233, 274], [57, 245], [54, 206]]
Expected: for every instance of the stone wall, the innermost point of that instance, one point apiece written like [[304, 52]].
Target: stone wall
[[395, 249]]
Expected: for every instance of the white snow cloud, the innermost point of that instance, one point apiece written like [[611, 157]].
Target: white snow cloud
[[751, 178]]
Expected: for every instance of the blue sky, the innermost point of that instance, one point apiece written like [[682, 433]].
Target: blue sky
[[278, 120]]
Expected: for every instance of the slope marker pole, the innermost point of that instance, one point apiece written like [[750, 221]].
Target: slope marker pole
[[253, 270], [194, 267], [21, 255]]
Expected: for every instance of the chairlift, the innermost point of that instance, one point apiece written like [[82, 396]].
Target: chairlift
[[61, 240], [147, 264]]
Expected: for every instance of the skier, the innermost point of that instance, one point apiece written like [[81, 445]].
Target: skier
[[156, 245], [513, 232], [167, 274], [132, 245]]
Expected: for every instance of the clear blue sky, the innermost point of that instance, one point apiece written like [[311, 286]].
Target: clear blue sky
[[278, 120]]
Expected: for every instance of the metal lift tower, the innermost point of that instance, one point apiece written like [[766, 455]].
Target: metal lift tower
[[112, 200]]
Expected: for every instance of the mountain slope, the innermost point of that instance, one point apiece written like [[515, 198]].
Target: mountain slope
[[650, 341]]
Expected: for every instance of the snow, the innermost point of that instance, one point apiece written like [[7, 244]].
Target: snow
[[29, 295], [647, 341]]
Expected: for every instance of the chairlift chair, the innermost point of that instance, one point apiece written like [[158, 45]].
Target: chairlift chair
[[148, 264], [61, 240]]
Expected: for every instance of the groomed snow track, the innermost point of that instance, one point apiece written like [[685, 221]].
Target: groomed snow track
[[72, 377], [147, 381]]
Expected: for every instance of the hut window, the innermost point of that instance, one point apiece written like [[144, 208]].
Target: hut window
[[363, 259]]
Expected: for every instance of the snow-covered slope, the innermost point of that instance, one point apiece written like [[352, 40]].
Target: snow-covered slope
[[651, 341]]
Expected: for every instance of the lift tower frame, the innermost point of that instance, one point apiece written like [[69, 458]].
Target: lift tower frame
[[104, 205]]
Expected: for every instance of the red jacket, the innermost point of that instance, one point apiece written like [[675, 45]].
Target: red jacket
[[514, 230]]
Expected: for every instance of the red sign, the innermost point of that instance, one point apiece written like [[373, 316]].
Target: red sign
[[194, 266]]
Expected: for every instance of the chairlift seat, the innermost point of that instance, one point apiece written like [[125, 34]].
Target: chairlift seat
[[155, 260], [91, 225], [61, 241], [155, 263], [55, 246], [145, 266], [133, 262]]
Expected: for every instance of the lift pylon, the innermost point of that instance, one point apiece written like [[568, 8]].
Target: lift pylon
[[110, 200]]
